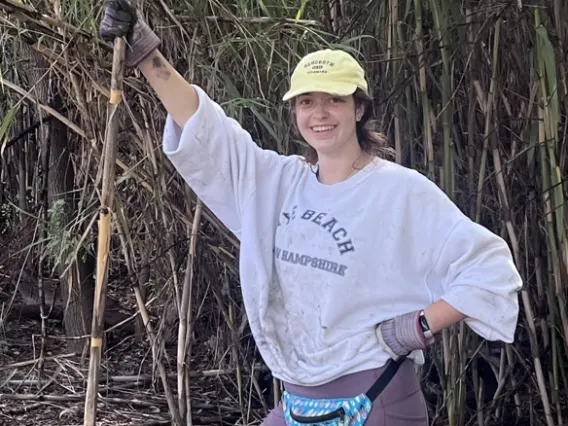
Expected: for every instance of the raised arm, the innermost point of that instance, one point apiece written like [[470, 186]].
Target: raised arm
[[122, 19], [176, 94], [212, 152]]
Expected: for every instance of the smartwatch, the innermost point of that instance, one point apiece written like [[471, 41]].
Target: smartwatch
[[425, 328]]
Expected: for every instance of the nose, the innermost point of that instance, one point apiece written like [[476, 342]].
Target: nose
[[320, 109]]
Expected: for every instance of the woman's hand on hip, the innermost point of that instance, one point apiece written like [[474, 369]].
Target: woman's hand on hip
[[401, 335]]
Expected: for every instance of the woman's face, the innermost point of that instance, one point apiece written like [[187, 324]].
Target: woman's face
[[327, 122]]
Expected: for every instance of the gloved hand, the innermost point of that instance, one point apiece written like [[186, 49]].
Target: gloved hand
[[401, 335], [121, 18]]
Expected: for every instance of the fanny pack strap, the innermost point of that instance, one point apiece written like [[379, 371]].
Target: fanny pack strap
[[373, 392], [385, 378]]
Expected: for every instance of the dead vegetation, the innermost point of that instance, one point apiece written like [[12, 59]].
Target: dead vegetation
[[473, 94]]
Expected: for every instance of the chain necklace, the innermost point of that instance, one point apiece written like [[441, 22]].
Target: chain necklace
[[353, 168]]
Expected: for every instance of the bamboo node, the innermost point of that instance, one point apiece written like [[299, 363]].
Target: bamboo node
[[115, 96]]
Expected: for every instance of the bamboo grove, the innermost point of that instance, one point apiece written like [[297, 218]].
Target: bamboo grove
[[473, 94]]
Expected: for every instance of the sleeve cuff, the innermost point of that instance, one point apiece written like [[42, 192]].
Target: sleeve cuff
[[172, 131]]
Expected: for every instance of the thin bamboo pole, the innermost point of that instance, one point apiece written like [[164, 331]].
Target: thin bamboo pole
[[170, 398], [44, 200], [428, 142], [441, 18], [105, 219], [393, 5], [185, 329]]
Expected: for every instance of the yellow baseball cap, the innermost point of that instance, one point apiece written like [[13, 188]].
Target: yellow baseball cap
[[329, 71]]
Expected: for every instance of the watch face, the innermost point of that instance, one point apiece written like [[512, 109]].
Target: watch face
[[423, 323]]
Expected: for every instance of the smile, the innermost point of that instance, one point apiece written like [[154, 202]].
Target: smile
[[320, 129]]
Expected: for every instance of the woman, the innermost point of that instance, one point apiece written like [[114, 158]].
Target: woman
[[348, 261]]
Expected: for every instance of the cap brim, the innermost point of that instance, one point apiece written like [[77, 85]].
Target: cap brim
[[339, 89]]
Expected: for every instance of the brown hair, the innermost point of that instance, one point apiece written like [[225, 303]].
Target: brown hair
[[371, 141]]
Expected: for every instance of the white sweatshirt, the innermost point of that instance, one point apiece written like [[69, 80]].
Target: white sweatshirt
[[322, 265]]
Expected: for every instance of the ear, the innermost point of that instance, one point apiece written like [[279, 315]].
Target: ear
[[359, 111]]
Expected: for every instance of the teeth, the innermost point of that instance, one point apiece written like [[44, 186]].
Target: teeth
[[322, 128]]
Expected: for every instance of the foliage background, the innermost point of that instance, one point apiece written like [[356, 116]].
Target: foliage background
[[472, 93]]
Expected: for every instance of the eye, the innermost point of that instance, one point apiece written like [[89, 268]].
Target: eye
[[337, 100], [304, 101]]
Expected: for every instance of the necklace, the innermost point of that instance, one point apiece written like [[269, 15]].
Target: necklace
[[353, 168]]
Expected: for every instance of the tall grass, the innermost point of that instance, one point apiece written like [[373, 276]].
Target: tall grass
[[471, 94]]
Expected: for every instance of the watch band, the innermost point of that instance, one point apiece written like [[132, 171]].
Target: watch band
[[425, 327]]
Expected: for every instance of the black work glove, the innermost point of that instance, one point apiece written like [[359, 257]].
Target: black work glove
[[121, 19]]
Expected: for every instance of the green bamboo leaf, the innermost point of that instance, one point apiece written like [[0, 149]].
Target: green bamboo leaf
[[5, 127], [549, 59], [264, 8], [559, 202], [301, 10], [533, 142], [260, 117], [237, 103]]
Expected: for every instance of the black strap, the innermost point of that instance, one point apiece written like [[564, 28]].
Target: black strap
[[384, 379], [340, 412], [374, 391]]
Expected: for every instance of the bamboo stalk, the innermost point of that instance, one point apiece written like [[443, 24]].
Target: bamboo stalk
[[427, 128], [137, 379], [35, 361], [43, 233], [174, 412], [547, 138], [555, 200], [478, 393], [185, 330], [455, 360], [256, 385], [393, 24], [151, 401], [440, 12], [472, 110], [234, 346], [45, 108], [105, 218]]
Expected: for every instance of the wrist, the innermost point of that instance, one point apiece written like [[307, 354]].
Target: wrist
[[408, 332], [141, 44], [441, 315], [154, 60], [424, 329]]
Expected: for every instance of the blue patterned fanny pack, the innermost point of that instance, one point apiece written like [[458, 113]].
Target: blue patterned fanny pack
[[303, 411]]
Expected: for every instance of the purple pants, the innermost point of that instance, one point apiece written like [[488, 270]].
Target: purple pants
[[400, 404]]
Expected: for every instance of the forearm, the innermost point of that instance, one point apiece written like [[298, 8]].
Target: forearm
[[441, 315], [176, 94]]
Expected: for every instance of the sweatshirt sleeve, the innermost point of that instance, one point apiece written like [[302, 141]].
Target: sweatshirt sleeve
[[218, 159], [480, 279]]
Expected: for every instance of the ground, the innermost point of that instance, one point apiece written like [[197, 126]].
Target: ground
[[129, 393]]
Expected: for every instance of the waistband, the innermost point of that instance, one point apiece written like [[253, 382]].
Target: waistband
[[346, 386]]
